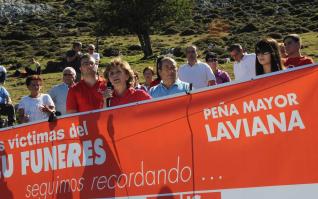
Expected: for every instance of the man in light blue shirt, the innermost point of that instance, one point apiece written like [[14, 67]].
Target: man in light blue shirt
[[59, 92], [169, 84]]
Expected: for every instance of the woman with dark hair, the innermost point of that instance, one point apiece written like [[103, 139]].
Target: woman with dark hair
[[36, 106], [268, 57], [121, 76], [158, 79]]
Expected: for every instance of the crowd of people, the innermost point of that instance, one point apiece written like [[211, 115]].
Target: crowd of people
[[83, 89]]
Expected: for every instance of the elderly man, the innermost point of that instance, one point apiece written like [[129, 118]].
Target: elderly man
[[169, 84], [294, 58], [59, 92], [195, 72], [88, 93], [244, 65]]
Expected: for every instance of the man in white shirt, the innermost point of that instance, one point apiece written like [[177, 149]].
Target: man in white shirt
[[194, 72], [244, 65], [92, 53], [59, 92]]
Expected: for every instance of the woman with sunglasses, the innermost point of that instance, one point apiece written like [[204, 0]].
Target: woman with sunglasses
[[220, 75], [268, 58]]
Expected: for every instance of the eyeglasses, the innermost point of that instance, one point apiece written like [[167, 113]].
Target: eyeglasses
[[262, 53], [67, 74], [212, 60], [91, 49]]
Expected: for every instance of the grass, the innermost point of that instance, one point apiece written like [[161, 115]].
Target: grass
[[17, 88]]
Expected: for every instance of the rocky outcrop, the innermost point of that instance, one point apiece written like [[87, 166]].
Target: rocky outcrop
[[11, 10]]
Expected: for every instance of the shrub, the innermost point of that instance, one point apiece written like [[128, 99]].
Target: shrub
[[135, 47], [170, 30], [275, 35], [248, 28], [268, 11], [41, 53], [188, 32], [18, 35], [111, 51], [178, 52]]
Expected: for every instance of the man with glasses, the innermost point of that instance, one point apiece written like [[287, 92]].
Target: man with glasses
[[244, 65], [59, 92], [169, 84], [92, 53], [87, 94], [292, 44], [194, 72]]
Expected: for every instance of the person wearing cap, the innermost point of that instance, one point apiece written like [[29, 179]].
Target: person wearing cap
[[59, 92], [87, 94], [91, 52], [195, 72], [220, 75], [295, 58], [244, 65], [170, 84]]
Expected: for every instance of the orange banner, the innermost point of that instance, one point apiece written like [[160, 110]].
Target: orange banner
[[244, 140]]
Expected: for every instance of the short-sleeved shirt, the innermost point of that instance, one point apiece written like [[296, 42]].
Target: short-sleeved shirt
[[245, 69], [59, 94], [160, 90], [82, 97], [95, 56], [198, 75], [222, 76], [131, 95], [32, 106], [4, 94], [298, 61]]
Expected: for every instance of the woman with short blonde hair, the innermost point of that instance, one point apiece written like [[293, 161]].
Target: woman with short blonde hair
[[120, 75]]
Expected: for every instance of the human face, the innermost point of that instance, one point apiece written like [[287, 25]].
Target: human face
[[91, 50], [118, 77], [68, 77], [168, 72], [148, 75], [191, 54], [264, 58], [213, 63], [291, 46], [236, 55], [88, 66], [35, 87]]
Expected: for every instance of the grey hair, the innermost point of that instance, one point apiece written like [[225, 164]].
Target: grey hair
[[72, 70]]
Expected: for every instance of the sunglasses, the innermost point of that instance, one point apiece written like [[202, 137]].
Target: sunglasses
[[212, 60], [67, 74], [263, 53]]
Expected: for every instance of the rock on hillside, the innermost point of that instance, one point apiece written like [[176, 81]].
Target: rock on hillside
[[15, 9]]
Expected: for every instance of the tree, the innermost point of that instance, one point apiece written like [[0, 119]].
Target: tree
[[140, 16]]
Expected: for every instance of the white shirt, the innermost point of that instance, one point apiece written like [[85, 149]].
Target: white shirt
[[3, 69], [198, 75], [245, 69], [59, 94], [95, 56], [32, 106]]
